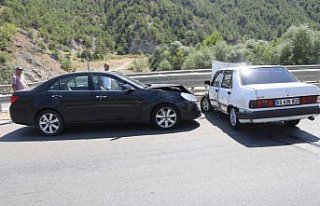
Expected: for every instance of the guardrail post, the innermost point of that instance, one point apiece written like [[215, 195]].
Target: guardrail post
[[192, 89]]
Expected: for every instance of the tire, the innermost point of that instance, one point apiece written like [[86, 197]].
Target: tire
[[165, 117], [233, 120], [205, 104], [49, 123], [292, 123]]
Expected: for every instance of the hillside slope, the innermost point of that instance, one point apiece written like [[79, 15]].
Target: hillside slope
[[133, 26]]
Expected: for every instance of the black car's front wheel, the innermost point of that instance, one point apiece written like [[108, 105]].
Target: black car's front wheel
[[165, 117], [49, 123]]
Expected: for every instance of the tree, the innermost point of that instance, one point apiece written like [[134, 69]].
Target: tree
[[212, 39]]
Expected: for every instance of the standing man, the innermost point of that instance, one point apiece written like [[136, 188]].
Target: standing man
[[18, 82]]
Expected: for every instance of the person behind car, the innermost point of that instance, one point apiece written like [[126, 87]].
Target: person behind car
[[18, 82], [106, 67]]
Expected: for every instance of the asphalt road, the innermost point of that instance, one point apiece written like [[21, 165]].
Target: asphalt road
[[201, 163]]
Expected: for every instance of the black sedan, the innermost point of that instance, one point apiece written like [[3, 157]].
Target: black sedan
[[101, 97]]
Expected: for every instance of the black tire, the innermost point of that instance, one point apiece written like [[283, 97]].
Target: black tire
[[292, 123], [233, 120], [205, 104], [165, 117], [49, 123]]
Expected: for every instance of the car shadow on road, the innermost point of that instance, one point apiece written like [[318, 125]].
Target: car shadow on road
[[96, 131], [262, 135]]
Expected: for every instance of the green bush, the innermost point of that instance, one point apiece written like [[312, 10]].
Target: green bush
[[66, 64], [65, 49], [299, 45], [175, 53], [164, 65], [7, 31], [4, 57], [200, 59], [42, 45], [6, 73], [138, 65], [212, 39]]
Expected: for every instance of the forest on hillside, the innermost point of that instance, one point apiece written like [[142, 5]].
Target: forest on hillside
[[134, 26], [174, 34]]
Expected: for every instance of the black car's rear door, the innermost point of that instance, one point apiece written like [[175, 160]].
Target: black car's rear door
[[112, 103], [72, 96]]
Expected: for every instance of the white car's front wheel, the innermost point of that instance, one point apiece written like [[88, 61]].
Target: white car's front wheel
[[205, 104], [233, 119]]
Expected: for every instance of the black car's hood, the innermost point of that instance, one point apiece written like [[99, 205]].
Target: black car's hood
[[170, 87]]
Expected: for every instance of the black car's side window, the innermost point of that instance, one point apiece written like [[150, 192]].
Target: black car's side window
[[55, 86], [227, 80], [74, 83], [106, 83], [217, 79]]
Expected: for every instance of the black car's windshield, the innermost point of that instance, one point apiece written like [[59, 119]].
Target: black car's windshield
[[268, 75], [133, 81]]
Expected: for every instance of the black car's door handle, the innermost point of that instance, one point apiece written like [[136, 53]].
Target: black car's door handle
[[101, 97], [55, 96]]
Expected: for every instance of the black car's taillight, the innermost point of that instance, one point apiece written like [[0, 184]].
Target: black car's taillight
[[263, 103], [14, 99]]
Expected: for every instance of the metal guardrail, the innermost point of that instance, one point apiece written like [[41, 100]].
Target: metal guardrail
[[4, 102], [194, 79]]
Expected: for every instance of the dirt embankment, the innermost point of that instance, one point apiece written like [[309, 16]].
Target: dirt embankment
[[38, 65]]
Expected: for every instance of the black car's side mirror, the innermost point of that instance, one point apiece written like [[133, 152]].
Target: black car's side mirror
[[207, 82], [127, 88]]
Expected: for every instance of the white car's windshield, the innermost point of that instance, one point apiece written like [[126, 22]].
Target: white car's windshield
[[268, 75]]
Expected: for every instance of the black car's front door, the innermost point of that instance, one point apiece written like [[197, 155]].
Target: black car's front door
[[112, 103], [73, 98]]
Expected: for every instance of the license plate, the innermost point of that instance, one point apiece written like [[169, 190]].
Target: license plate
[[286, 102]]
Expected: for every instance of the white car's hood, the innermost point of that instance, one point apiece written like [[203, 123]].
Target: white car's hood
[[282, 90]]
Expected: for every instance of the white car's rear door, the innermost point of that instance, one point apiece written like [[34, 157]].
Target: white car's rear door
[[225, 91]]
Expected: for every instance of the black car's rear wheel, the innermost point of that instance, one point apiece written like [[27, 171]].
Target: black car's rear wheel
[[49, 123], [292, 123], [165, 117]]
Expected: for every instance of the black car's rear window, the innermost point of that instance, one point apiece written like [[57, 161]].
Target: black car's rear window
[[268, 75]]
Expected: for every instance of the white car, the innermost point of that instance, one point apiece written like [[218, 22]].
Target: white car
[[261, 94]]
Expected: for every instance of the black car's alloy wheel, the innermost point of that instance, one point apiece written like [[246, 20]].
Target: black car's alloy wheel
[[165, 117], [49, 123]]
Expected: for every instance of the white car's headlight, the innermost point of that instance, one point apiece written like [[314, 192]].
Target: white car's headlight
[[189, 97]]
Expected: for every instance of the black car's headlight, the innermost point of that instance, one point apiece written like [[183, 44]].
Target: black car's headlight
[[189, 97]]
